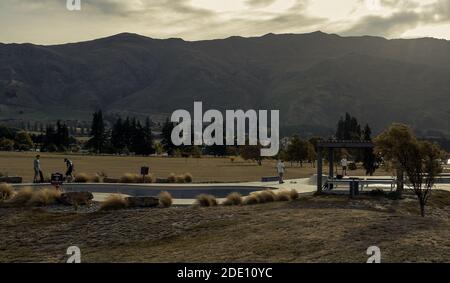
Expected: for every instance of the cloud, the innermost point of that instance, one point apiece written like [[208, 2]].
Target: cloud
[[48, 21], [404, 16]]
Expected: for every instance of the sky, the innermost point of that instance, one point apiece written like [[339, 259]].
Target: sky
[[51, 22]]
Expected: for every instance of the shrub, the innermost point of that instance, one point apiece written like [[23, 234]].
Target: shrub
[[165, 199], [188, 178], [179, 179], [81, 178], [95, 179], [129, 178], [283, 196], [251, 199], [293, 194], [233, 199], [172, 178], [44, 197], [6, 191], [114, 202], [266, 196], [22, 197], [148, 179], [206, 200]]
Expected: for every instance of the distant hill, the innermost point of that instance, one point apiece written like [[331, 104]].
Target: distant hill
[[312, 78]]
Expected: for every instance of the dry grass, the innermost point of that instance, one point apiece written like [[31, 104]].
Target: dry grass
[[206, 200], [130, 178], [233, 199], [283, 196], [114, 202], [204, 170], [6, 191], [22, 197], [266, 196], [165, 199], [251, 199], [293, 194], [188, 178], [81, 178], [179, 179], [172, 178], [312, 230], [44, 197]]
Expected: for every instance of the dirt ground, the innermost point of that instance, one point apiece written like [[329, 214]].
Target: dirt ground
[[311, 229], [207, 169]]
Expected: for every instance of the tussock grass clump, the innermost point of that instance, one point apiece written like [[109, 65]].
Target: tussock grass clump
[[133, 178], [165, 199], [266, 196], [233, 199], [148, 179], [95, 179], [22, 197], [81, 178], [179, 179], [187, 177], [283, 196], [293, 194], [129, 178], [172, 178], [251, 199], [44, 197], [206, 200], [6, 191], [114, 202]]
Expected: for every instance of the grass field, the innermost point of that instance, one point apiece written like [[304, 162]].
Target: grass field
[[206, 169], [310, 229]]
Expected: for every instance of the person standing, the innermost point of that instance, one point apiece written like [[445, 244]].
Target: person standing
[[69, 172], [344, 164], [281, 168], [37, 170]]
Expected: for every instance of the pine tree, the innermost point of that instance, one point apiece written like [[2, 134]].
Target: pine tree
[[166, 141], [98, 137], [369, 158]]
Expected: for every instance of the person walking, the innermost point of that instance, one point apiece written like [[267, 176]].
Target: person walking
[[37, 170], [344, 164], [69, 171], [281, 168]]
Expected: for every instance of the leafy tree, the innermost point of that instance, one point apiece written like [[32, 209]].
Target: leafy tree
[[393, 145], [297, 150], [251, 152], [6, 144], [23, 141], [422, 168]]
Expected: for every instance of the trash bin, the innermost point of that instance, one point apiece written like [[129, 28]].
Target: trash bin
[[354, 187]]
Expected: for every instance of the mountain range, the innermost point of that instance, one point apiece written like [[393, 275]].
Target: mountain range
[[313, 79]]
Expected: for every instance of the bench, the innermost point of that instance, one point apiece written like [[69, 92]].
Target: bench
[[362, 182]]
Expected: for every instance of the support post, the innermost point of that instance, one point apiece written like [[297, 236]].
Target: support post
[[319, 169], [331, 163]]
